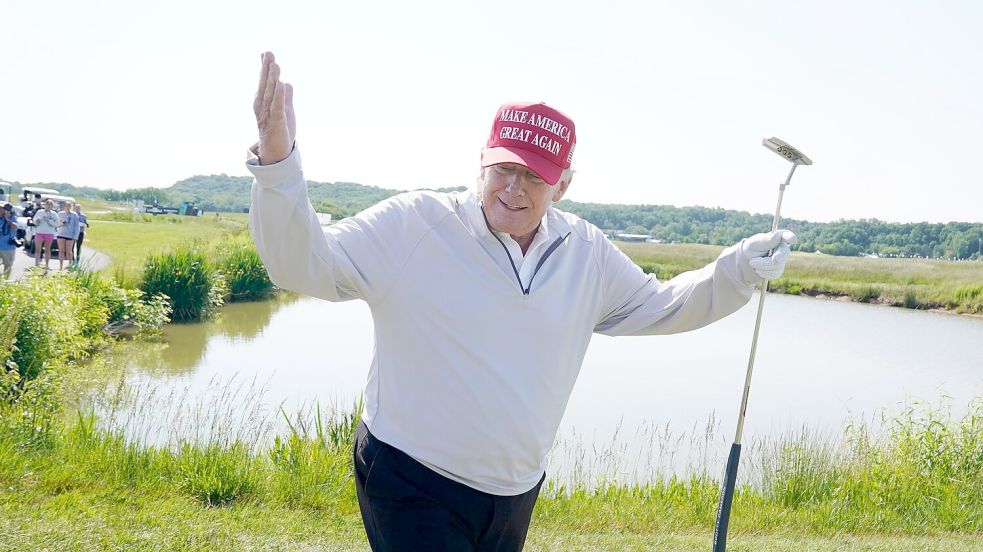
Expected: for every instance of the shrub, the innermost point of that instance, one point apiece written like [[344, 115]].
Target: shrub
[[9, 375], [125, 306], [244, 272], [193, 286], [54, 317]]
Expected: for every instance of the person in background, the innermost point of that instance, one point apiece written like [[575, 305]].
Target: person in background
[[68, 230], [83, 226], [8, 235], [46, 222], [34, 207]]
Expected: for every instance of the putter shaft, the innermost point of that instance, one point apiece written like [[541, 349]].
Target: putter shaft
[[757, 320]]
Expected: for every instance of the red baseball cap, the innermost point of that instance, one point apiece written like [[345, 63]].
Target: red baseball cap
[[533, 135]]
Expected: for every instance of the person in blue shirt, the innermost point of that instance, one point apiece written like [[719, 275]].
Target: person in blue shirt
[[8, 235]]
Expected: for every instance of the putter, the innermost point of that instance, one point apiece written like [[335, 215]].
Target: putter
[[733, 460]]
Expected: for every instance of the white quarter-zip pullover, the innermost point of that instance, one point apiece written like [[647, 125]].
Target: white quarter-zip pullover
[[470, 374]]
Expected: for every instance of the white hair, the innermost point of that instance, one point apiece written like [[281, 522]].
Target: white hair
[[567, 175]]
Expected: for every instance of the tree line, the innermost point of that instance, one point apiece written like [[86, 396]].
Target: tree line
[[716, 226], [706, 225]]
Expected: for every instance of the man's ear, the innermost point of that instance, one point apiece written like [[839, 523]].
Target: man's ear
[[561, 188]]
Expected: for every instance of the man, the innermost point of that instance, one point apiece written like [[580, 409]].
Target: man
[[8, 236], [33, 207], [484, 305]]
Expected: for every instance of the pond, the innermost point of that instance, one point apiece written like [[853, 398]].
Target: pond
[[642, 405]]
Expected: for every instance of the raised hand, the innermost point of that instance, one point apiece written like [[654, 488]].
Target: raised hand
[[274, 111]]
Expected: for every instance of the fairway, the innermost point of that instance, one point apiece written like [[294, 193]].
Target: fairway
[[128, 239]]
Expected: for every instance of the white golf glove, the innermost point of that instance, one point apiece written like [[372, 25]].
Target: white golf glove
[[757, 249]]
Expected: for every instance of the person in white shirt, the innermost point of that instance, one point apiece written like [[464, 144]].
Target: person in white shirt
[[46, 222], [484, 304]]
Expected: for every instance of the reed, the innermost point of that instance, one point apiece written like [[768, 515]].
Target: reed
[[244, 272], [193, 285]]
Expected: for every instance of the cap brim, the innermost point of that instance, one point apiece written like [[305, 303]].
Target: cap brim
[[543, 167]]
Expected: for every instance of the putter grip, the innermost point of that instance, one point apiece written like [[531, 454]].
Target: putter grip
[[726, 498]]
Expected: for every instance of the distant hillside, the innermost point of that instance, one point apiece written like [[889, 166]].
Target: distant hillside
[[716, 226]]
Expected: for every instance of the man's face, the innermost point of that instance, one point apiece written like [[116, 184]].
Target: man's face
[[515, 198]]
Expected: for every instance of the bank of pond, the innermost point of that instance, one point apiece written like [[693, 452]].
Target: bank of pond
[[923, 284]]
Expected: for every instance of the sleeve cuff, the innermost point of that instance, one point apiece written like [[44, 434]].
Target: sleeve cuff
[[269, 176]]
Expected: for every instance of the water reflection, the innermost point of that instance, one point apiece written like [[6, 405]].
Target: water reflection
[[182, 347]]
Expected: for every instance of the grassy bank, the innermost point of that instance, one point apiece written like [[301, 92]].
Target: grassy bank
[[919, 485], [955, 286]]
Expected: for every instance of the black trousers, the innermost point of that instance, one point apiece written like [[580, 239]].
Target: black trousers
[[407, 506], [78, 245]]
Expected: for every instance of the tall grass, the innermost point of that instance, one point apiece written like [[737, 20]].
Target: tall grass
[[915, 472], [193, 285], [198, 278], [244, 271]]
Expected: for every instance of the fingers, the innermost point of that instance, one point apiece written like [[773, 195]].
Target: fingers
[[277, 102], [773, 266], [271, 81], [777, 237], [787, 236], [760, 244], [289, 113], [266, 59], [274, 113]]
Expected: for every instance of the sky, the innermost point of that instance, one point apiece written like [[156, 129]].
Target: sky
[[670, 100]]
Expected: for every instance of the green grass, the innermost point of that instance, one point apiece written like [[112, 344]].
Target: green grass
[[187, 276], [912, 283], [916, 485], [244, 271], [128, 239], [133, 519]]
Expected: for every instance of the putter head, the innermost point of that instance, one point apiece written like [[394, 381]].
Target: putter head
[[786, 151]]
